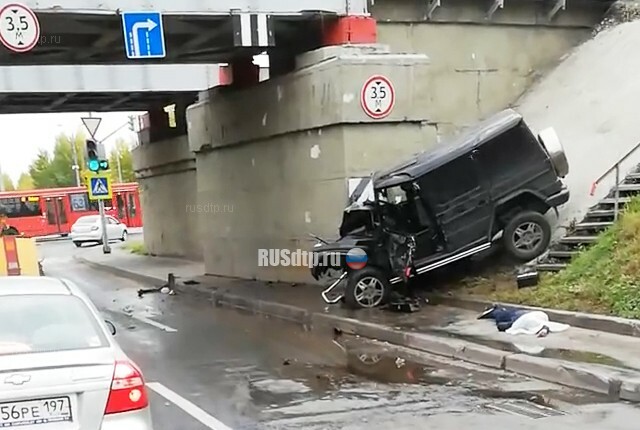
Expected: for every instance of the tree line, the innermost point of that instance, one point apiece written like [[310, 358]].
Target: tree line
[[55, 169]]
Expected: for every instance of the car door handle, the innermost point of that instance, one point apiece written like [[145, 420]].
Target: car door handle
[[482, 202]]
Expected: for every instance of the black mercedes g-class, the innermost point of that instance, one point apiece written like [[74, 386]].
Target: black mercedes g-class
[[449, 204]]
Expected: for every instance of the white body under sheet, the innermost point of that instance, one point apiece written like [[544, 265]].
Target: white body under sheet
[[532, 322]]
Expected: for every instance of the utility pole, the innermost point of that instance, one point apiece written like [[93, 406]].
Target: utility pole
[[76, 165], [106, 249]]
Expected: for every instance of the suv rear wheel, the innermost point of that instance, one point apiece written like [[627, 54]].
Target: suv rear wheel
[[527, 235], [367, 288]]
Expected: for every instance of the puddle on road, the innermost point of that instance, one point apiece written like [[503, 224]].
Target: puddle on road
[[392, 370], [357, 367], [543, 398], [537, 398], [372, 376]]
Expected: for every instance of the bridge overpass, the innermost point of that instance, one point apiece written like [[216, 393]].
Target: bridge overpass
[[282, 153], [196, 31], [62, 72], [48, 89], [80, 63]]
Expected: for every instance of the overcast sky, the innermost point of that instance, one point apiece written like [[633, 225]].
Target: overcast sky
[[23, 135]]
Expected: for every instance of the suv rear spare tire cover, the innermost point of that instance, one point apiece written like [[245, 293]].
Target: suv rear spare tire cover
[[551, 142]]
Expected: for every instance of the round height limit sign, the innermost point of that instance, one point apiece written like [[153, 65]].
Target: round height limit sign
[[19, 27], [377, 97]]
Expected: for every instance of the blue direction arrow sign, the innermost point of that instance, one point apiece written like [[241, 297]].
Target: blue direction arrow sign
[[143, 35], [99, 188]]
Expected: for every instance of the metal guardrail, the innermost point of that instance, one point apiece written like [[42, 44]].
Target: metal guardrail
[[615, 168]]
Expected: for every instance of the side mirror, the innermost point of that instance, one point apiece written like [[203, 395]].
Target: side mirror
[[112, 327]]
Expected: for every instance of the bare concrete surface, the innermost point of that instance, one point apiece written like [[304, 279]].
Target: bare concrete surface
[[249, 372], [585, 359], [606, 323], [576, 343], [590, 99]]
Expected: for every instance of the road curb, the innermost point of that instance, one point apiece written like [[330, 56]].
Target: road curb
[[51, 239], [614, 325], [122, 272], [595, 378]]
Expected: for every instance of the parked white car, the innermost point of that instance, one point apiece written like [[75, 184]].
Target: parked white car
[[89, 229], [60, 366]]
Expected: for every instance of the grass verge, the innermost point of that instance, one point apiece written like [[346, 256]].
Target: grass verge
[[604, 278], [137, 248]]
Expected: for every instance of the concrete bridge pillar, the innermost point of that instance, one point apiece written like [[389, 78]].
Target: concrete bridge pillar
[[163, 122], [274, 160], [166, 172]]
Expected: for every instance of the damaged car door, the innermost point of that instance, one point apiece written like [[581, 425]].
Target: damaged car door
[[461, 201], [405, 216]]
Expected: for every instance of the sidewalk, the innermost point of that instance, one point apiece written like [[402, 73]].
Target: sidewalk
[[593, 360]]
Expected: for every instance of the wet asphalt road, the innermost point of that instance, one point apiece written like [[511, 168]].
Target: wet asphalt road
[[213, 368]]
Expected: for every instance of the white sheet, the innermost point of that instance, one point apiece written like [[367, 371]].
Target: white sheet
[[532, 322]]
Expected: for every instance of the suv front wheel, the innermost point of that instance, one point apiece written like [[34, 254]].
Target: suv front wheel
[[367, 288], [527, 235]]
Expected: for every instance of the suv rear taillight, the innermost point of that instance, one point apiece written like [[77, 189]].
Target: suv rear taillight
[[128, 392]]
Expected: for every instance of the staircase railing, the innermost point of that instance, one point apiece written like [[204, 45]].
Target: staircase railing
[[615, 168]]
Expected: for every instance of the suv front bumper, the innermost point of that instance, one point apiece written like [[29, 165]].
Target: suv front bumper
[[559, 198]]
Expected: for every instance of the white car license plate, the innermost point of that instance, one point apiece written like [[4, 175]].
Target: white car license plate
[[35, 412]]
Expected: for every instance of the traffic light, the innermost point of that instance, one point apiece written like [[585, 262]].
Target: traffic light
[[93, 160], [94, 153]]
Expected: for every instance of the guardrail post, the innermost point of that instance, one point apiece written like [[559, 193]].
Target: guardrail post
[[617, 194]]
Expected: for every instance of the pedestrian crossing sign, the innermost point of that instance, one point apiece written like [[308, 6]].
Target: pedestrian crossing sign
[[99, 188]]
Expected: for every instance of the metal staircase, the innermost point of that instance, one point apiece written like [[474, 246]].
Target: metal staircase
[[599, 218]]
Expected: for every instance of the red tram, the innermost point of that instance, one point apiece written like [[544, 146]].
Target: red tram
[[53, 211]]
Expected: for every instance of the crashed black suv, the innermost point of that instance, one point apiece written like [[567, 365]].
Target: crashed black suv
[[492, 183]]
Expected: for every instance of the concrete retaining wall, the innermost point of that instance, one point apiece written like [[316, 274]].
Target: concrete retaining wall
[[168, 194], [478, 66]]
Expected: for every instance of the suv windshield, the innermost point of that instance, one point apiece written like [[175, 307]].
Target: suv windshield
[[47, 323]]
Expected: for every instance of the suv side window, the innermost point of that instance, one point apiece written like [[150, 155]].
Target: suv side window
[[452, 181], [401, 211]]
